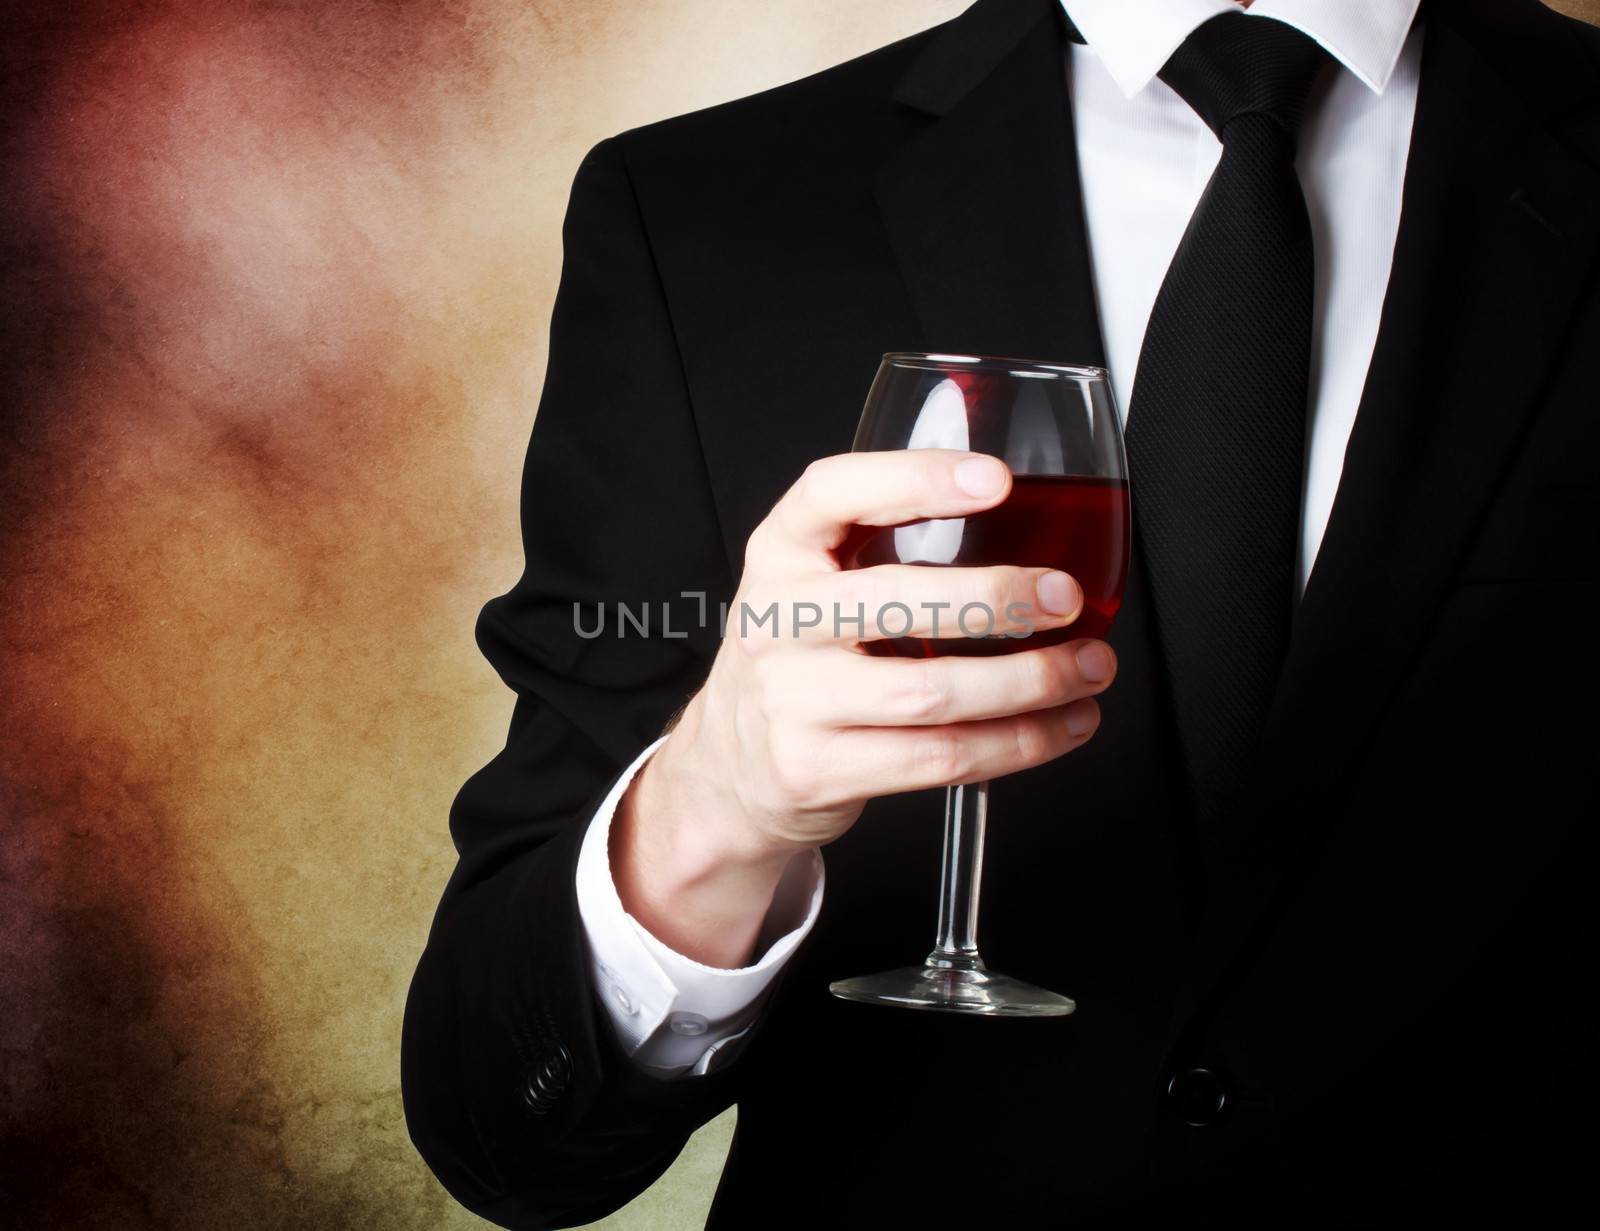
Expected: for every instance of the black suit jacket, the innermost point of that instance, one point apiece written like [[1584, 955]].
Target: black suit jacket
[[1378, 963]]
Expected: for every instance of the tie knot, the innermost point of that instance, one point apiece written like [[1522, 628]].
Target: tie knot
[[1235, 64]]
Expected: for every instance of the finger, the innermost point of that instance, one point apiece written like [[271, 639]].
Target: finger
[[912, 600], [871, 761], [887, 488], [895, 692]]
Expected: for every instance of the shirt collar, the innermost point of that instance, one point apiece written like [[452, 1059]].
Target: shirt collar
[[1134, 38]]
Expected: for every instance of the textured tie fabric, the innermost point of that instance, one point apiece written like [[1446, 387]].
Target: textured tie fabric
[[1216, 428]]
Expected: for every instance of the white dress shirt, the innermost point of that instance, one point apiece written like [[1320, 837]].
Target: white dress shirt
[[673, 1014], [1144, 158]]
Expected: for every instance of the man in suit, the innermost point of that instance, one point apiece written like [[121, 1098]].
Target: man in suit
[[1313, 880]]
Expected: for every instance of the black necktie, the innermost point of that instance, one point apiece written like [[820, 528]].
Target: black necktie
[[1216, 428]]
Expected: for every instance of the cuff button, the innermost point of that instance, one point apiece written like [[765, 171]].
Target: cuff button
[[548, 1080]]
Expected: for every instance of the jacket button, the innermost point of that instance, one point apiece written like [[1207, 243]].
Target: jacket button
[[1197, 1097], [548, 1080]]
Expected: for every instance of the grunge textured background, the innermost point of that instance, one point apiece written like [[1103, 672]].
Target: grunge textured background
[[274, 283]]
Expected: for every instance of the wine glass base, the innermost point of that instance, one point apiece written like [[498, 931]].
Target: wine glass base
[[984, 993]]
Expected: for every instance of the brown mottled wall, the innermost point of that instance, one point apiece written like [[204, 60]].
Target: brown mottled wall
[[274, 286], [276, 281]]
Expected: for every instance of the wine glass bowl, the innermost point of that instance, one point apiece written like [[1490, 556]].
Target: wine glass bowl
[[1056, 427]]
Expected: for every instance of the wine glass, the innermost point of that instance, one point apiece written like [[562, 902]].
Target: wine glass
[[1056, 426]]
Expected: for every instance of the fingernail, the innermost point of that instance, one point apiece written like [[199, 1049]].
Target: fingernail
[[1095, 662], [1081, 719], [1058, 593], [981, 476]]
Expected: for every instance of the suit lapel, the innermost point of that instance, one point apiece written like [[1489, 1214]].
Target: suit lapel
[[1497, 236], [983, 208]]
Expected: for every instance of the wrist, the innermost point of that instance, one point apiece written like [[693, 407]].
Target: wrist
[[687, 864]]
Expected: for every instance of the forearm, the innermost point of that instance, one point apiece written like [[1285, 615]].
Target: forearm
[[517, 1091]]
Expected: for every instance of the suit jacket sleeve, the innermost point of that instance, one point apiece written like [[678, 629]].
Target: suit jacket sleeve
[[517, 1092]]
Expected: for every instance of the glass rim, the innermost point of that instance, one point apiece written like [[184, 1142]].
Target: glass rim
[[939, 361]]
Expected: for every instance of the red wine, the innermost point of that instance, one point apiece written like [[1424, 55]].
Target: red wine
[[1070, 522]]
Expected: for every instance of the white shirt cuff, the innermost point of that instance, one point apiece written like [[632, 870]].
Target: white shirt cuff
[[673, 1014]]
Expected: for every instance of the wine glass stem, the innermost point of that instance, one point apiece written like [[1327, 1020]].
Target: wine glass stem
[[966, 810]]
